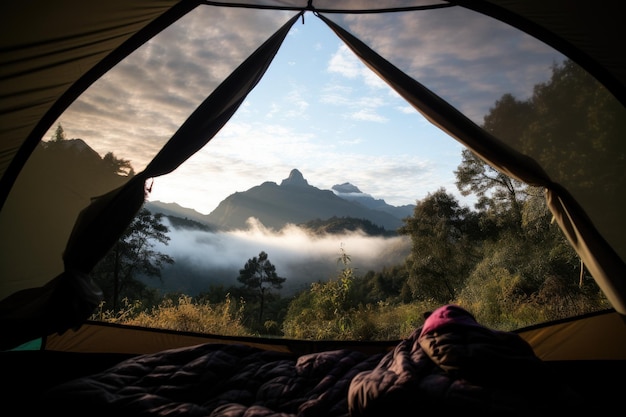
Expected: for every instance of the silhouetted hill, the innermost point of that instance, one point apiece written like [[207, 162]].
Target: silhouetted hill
[[47, 205], [352, 193], [293, 201], [213, 258], [338, 225], [180, 216]]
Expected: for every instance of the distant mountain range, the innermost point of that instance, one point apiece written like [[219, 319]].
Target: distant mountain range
[[294, 201], [350, 192], [205, 257], [217, 257]]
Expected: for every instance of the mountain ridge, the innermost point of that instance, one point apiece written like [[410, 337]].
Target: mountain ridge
[[294, 201]]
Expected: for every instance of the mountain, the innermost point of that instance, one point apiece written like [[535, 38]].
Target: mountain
[[176, 210], [352, 193], [204, 257], [293, 201]]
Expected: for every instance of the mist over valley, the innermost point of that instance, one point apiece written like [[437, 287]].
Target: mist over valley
[[285, 223]]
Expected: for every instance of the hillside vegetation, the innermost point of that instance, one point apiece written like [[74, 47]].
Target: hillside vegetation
[[503, 260]]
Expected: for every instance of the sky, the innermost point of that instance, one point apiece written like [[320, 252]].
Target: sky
[[318, 109]]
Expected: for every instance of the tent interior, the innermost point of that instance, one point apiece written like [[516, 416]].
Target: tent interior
[[165, 87]]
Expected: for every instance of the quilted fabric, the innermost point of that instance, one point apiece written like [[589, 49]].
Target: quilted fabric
[[453, 365], [450, 365], [216, 380]]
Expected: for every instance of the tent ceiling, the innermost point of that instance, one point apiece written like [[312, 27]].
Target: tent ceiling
[[46, 65]]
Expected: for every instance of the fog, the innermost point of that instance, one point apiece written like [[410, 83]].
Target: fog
[[203, 259]]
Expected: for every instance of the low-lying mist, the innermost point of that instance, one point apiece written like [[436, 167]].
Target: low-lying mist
[[204, 259]]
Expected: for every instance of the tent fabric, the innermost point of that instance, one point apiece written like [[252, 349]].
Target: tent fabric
[[83, 50], [108, 216], [101, 337], [599, 257], [50, 57], [597, 336]]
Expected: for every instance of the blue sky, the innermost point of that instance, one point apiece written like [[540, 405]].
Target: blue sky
[[318, 109]]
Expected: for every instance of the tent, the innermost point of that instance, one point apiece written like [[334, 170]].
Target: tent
[[51, 52]]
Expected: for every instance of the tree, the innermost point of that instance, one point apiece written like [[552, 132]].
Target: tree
[[499, 195], [572, 104], [117, 165], [133, 255], [259, 277], [570, 117], [383, 286], [509, 118], [59, 134], [536, 267], [443, 247]]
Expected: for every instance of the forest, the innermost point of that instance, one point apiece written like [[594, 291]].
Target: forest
[[504, 260]]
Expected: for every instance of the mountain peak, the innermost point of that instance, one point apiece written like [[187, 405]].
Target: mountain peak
[[295, 178]]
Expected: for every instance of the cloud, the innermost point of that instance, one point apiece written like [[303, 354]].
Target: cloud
[[346, 64], [368, 115], [216, 258], [136, 107], [224, 168], [336, 94], [309, 115], [406, 109], [297, 104], [342, 62], [469, 59]]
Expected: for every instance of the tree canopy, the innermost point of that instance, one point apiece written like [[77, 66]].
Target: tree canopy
[[259, 276], [133, 256]]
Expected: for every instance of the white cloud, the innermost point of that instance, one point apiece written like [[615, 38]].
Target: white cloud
[[368, 115], [406, 109], [288, 250], [343, 62], [297, 104], [298, 121], [336, 94], [346, 64]]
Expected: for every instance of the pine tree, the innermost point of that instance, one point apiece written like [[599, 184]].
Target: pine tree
[[259, 276]]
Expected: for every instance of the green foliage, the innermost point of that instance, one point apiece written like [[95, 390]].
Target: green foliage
[[329, 311], [519, 283], [389, 321], [324, 311], [506, 262], [307, 320], [574, 104], [443, 250], [258, 277], [499, 196], [387, 286]]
